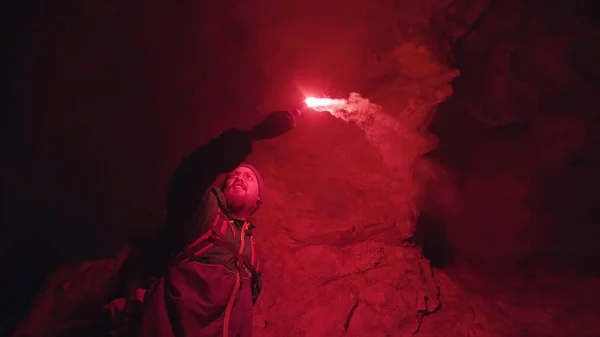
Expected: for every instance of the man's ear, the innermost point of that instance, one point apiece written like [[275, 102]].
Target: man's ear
[[258, 203]]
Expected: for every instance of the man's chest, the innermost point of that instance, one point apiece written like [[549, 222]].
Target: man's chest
[[224, 239]]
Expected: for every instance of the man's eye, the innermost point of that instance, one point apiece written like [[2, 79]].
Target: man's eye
[[248, 176]]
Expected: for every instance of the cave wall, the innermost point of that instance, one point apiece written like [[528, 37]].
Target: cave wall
[[517, 159]]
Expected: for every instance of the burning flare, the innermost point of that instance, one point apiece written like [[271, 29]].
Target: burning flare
[[353, 109], [325, 104]]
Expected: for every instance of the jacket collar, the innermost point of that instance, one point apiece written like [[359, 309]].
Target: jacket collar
[[223, 206]]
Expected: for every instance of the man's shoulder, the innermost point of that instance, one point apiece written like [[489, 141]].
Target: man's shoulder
[[214, 202], [211, 198]]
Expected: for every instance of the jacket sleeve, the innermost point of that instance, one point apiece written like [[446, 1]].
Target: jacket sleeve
[[197, 172], [256, 286]]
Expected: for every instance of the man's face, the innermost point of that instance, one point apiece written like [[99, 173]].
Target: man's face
[[241, 190]]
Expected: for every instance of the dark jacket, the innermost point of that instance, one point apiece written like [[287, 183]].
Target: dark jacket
[[214, 276]]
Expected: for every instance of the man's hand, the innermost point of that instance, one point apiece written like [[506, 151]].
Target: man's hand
[[275, 124]]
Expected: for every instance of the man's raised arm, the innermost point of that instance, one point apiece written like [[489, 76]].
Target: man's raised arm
[[197, 171]]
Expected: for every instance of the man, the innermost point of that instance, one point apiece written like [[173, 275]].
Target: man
[[214, 277]]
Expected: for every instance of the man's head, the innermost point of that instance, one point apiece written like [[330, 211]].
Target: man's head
[[242, 190]]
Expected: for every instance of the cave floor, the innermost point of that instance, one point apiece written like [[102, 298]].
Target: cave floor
[[506, 300]]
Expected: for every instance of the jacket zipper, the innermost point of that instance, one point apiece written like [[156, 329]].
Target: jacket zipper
[[237, 284]]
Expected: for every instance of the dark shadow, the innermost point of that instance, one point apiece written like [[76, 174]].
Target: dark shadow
[[430, 235]]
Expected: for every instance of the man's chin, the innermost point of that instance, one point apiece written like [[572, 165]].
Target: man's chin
[[235, 200]]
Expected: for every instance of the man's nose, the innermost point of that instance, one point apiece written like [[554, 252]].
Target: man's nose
[[241, 176]]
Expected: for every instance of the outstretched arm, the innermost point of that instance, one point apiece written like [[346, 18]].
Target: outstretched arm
[[197, 171]]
